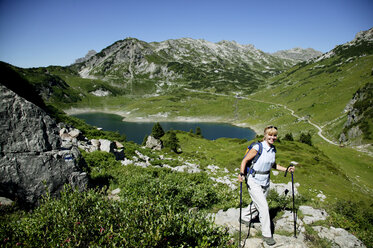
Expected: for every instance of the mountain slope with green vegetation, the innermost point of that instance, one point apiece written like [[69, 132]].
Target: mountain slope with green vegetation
[[158, 67], [321, 90], [159, 81]]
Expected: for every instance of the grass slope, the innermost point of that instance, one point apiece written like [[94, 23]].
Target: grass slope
[[320, 91]]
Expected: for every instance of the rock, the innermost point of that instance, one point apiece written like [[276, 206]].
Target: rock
[[114, 195], [338, 236], [229, 219], [286, 189], [107, 145], [75, 133], [32, 160], [115, 191], [225, 180], [5, 201], [63, 131], [95, 145], [153, 143], [312, 215], [126, 161], [118, 145], [286, 223]]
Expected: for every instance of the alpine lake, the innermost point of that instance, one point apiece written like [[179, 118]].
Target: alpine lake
[[136, 131]]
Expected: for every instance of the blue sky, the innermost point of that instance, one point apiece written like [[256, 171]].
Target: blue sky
[[56, 32]]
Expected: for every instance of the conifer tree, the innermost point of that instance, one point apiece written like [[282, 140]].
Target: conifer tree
[[157, 131], [305, 138], [172, 141], [198, 131]]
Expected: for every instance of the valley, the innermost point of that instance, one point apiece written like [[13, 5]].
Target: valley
[[326, 97]]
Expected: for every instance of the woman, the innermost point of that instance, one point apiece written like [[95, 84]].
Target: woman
[[258, 182]]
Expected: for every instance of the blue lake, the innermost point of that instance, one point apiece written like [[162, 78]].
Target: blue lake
[[136, 131]]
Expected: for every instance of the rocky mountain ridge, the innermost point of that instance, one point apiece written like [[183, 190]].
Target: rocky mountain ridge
[[298, 54], [188, 62]]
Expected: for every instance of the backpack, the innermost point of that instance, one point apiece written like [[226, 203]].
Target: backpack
[[249, 166]]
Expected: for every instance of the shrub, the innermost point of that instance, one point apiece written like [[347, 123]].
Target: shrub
[[305, 138], [355, 217], [289, 137], [88, 219]]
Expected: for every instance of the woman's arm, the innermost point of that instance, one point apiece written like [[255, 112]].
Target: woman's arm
[[282, 168], [246, 159]]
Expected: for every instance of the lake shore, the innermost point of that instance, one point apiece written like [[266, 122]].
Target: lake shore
[[161, 118]]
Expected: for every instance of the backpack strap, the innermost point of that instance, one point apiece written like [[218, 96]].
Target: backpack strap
[[259, 152], [251, 170]]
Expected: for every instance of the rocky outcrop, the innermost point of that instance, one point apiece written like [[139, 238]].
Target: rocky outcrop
[[298, 54], [153, 143], [86, 57], [285, 223], [359, 117], [32, 160]]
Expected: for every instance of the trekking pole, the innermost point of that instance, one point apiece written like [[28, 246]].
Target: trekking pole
[[292, 187], [239, 244]]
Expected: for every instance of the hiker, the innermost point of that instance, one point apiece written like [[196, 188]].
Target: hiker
[[257, 180]]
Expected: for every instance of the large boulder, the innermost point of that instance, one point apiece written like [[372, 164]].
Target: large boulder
[[154, 143], [32, 160]]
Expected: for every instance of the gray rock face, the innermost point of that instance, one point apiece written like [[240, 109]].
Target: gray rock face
[[153, 143], [338, 236], [32, 160]]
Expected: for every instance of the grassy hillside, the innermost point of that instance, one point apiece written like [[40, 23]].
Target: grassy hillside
[[321, 91], [317, 170], [156, 204]]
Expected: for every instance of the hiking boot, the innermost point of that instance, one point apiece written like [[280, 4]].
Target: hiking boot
[[246, 223], [269, 240]]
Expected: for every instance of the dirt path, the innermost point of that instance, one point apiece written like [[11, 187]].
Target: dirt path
[[292, 112]]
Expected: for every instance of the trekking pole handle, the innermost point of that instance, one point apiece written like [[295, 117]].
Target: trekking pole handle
[[286, 172]]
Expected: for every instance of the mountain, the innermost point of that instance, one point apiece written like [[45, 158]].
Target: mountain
[[198, 64], [86, 57], [171, 78], [298, 54], [325, 89]]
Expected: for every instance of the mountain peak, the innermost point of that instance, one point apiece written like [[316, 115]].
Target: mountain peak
[[298, 54], [364, 35]]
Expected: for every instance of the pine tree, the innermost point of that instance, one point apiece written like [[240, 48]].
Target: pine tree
[[157, 131], [172, 141], [305, 138], [198, 131]]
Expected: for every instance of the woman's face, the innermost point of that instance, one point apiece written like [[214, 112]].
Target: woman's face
[[271, 138]]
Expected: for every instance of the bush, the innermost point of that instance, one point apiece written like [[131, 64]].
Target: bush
[[289, 137], [88, 219], [305, 138], [355, 217]]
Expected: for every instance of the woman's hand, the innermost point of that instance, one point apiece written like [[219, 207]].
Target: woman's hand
[[241, 178]]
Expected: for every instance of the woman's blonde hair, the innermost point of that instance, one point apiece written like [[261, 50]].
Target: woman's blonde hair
[[270, 130]]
